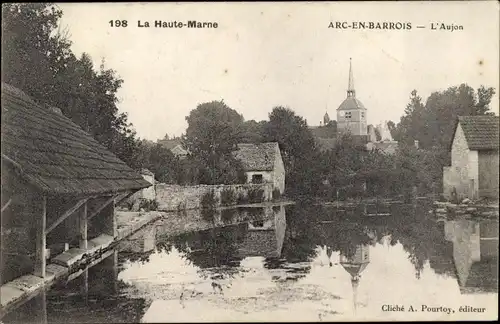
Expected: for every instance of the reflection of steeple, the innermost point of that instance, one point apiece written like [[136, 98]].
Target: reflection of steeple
[[355, 283], [475, 255], [354, 265]]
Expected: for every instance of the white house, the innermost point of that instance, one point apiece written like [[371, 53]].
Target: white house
[[262, 163]]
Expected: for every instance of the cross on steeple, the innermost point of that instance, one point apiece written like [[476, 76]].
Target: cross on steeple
[[350, 88]]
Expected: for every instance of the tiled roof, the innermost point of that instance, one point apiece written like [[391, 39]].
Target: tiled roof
[[351, 103], [57, 156], [257, 157], [481, 132]]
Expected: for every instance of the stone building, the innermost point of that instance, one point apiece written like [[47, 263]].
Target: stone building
[[474, 159], [262, 163], [59, 187]]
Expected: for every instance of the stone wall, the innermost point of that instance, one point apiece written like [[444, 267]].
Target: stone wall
[[175, 197]]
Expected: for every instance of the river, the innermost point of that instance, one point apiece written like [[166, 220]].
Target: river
[[302, 263]]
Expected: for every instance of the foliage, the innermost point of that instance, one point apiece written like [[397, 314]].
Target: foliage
[[227, 197], [161, 161], [298, 150], [213, 129], [432, 124], [255, 195], [213, 132], [354, 172], [37, 59], [253, 132]]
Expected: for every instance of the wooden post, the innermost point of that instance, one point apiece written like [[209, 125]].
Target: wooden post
[[109, 220], [83, 226], [41, 223]]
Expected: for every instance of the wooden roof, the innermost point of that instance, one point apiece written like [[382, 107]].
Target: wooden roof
[[55, 155], [481, 132]]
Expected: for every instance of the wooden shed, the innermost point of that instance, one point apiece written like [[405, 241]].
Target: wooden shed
[[59, 185]]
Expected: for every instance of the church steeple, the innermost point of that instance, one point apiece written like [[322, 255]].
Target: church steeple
[[350, 87]]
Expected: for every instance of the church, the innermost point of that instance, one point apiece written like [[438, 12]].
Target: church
[[352, 117]]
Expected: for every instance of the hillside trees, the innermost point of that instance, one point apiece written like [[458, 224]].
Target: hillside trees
[[37, 58]]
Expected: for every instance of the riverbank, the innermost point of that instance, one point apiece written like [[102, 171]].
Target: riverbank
[[450, 210], [72, 263]]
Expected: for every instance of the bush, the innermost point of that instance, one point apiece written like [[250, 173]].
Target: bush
[[255, 195], [148, 204], [227, 197], [276, 193], [208, 200]]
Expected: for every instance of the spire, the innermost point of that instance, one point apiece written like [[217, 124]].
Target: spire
[[350, 88]]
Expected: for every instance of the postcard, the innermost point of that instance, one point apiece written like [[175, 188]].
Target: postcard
[[249, 162]]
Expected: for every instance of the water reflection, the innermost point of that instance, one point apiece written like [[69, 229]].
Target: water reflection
[[475, 254], [296, 263], [96, 295]]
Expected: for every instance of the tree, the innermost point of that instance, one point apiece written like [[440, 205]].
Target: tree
[[253, 132], [161, 161], [213, 132], [298, 149], [37, 59], [432, 124]]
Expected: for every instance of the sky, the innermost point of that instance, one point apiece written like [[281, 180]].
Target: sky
[[264, 55]]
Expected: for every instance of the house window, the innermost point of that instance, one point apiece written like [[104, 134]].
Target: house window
[[348, 115], [257, 178], [362, 115]]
